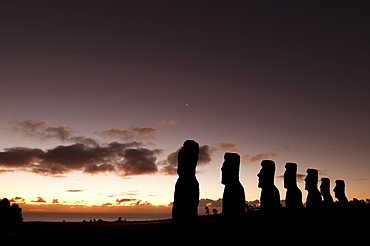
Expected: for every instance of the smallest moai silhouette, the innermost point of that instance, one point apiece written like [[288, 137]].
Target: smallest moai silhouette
[[293, 197], [325, 192], [270, 196], [313, 200], [339, 192], [233, 200]]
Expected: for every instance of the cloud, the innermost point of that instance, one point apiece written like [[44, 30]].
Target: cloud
[[42, 130], [231, 146], [125, 159], [168, 122], [119, 201], [132, 133], [39, 199], [20, 156], [300, 177], [55, 201], [169, 166], [258, 157], [75, 190]]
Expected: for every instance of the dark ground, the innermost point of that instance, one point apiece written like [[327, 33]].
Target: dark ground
[[296, 228]]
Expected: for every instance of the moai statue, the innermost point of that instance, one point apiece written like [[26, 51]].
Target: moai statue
[[313, 200], [186, 197], [340, 193], [325, 192], [233, 200], [270, 196], [293, 197]]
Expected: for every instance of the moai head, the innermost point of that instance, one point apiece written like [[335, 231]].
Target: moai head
[[290, 175], [187, 158], [339, 191], [325, 185], [311, 179], [230, 168], [267, 174]]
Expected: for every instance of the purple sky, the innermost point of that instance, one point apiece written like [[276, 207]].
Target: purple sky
[[285, 80]]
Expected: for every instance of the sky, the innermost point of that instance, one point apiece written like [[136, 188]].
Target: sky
[[97, 96]]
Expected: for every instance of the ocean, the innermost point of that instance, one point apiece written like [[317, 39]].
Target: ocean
[[79, 217]]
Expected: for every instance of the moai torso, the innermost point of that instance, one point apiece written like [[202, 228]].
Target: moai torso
[[313, 200], [233, 200], [186, 197], [293, 198], [270, 196]]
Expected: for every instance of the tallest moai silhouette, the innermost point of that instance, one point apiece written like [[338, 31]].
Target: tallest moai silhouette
[[186, 197]]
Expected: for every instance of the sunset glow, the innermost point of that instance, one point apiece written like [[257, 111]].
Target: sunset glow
[[97, 98]]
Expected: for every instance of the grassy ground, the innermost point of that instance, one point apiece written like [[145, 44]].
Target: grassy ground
[[210, 230]]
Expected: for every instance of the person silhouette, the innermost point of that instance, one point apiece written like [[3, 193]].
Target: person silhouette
[[325, 192], [233, 200], [270, 196], [313, 200], [339, 192], [186, 196], [293, 197]]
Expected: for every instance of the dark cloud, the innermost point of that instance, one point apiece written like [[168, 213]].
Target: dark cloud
[[75, 190], [300, 177], [20, 157], [123, 158], [205, 153], [132, 133], [169, 166], [39, 199], [119, 201]]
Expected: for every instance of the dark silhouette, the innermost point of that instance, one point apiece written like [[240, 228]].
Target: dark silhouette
[[325, 192], [293, 197], [270, 196], [186, 198], [10, 214], [233, 200], [313, 200], [340, 193]]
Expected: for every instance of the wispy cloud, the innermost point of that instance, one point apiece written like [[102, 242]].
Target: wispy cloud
[[258, 157], [168, 122], [227, 146], [131, 133], [75, 190]]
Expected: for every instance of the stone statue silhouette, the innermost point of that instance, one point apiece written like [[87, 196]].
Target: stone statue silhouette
[[270, 196], [313, 200], [233, 200], [293, 197], [186, 197], [340, 193], [325, 192]]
